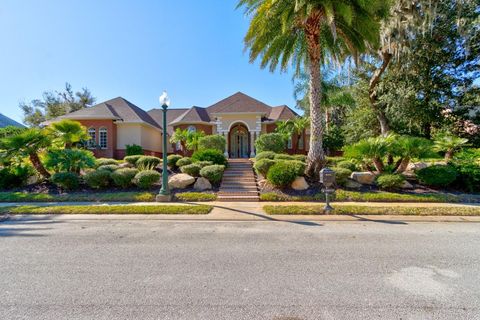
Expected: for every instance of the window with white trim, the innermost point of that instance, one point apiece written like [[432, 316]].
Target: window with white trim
[[102, 138], [93, 138], [191, 129]]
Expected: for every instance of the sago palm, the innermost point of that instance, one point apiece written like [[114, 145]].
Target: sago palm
[[449, 144], [293, 127], [306, 33], [68, 133]]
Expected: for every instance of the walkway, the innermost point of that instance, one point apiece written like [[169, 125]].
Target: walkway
[[239, 182]]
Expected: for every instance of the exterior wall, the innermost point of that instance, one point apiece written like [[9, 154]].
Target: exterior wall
[[131, 133], [111, 126], [270, 128]]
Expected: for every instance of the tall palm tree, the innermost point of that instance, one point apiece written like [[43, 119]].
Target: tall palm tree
[[68, 133], [293, 127], [306, 33]]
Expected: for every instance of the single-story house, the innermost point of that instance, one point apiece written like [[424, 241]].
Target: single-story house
[[7, 122], [241, 119]]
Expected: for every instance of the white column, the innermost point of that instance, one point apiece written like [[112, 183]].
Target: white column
[[225, 135], [253, 135]]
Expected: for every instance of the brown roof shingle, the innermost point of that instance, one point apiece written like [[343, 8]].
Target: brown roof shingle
[[239, 102], [172, 114]]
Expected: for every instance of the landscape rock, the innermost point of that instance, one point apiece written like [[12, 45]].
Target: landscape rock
[[263, 184], [202, 184], [125, 165], [350, 184], [416, 166], [300, 184], [363, 177], [406, 185], [180, 181]]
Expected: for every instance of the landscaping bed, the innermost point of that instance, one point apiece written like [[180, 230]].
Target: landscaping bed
[[115, 209], [366, 210]]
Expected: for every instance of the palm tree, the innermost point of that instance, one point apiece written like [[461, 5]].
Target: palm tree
[[180, 136], [293, 127], [306, 33], [193, 138], [68, 133], [408, 148], [449, 144], [29, 144]]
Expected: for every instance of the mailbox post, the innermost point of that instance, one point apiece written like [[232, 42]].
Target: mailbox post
[[327, 178]]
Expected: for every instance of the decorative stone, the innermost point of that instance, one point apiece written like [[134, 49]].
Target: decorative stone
[[406, 185], [363, 177], [180, 181], [300, 184], [263, 184], [125, 165], [350, 184], [202, 184], [416, 166]]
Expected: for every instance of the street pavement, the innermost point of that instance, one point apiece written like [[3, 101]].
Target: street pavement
[[284, 270]]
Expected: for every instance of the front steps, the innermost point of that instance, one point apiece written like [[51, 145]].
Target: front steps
[[239, 182]]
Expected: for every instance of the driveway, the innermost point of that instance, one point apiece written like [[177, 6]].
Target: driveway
[[157, 269]]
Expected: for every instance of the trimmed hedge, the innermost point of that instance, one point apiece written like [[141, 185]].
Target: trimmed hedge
[[109, 167], [123, 177], [265, 155], [284, 156], [204, 163], [389, 181], [341, 175], [65, 180], [98, 179], [299, 167], [300, 157], [215, 141], [282, 174], [132, 159], [105, 162], [183, 162], [270, 142], [347, 165], [213, 173], [215, 156], [146, 179], [437, 175], [191, 169], [148, 162], [263, 165], [172, 161]]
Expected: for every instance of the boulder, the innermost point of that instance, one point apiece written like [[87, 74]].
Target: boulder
[[125, 165], [406, 185], [180, 181], [300, 184], [263, 184], [202, 184], [363, 177], [416, 166], [350, 184]]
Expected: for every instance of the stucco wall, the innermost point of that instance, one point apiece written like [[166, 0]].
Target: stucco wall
[[250, 120], [151, 139]]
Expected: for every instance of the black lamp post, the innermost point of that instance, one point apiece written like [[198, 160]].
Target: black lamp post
[[164, 194]]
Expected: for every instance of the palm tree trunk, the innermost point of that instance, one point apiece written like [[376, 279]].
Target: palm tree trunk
[[316, 155], [37, 164], [372, 92], [378, 165], [448, 155], [403, 165]]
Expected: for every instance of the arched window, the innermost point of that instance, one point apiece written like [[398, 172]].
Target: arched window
[[191, 129], [93, 137], [289, 142], [300, 142], [102, 138]]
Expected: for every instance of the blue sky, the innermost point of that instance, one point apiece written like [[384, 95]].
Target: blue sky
[[133, 49]]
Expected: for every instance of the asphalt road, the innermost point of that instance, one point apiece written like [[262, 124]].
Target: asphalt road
[[134, 269]]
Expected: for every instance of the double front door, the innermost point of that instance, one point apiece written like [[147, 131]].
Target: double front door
[[239, 142]]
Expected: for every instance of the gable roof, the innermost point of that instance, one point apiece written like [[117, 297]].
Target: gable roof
[[172, 114], [193, 115], [6, 121], [239, 103], [281, 113]]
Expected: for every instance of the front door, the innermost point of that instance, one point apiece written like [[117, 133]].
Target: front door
[[239, 137]]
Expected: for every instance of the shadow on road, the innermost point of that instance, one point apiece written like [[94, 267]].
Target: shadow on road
[[378, 220], [25, 227]]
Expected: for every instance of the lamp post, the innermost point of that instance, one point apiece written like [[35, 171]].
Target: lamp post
[[164, 194]]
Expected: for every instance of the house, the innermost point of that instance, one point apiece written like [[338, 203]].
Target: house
[[241, 119], [7, 122]]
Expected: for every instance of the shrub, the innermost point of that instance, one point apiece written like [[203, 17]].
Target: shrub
[[215, 156], [216, 142], [283, 156], [468, 177], [300, 157], [133, 150], [265, 155], [65, 180], [14, 176], [98, 179], [148, 163], [191, 169], [183, 162], [109, 167], [213, 173], [282, 174], [341, 175], [105, 162], [70, 160], [299, 167], [347, 165], [270, 142], [437, 175], [132, 159], [123, 177], [390, 181], [146, 179], [263, 165], [204, 163], [172, 161]]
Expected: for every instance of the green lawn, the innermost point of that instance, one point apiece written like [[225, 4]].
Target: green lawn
[[366, 210], [127, 196], [196, 196], [115, 209]]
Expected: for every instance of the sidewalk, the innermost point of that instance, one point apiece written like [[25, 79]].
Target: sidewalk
[[252, 211]]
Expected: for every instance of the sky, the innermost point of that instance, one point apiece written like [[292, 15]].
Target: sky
[[131, 48]]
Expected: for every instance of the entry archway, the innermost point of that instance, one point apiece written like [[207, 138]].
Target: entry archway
[[239, 141]]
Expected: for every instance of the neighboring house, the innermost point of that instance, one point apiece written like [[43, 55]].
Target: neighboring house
[[7, 122], [241, 119]]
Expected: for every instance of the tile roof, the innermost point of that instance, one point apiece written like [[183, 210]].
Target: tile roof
[[238, 103], [6, 121]]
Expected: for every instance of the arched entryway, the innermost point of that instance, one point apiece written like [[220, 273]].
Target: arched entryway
[[239, 141]]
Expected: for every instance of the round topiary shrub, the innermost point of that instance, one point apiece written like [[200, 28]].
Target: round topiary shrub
[[148, 162], [146, 179], [282, 174], [98, 179], [204, 163], [215, 156], [300, 157], [213, 141], [123, 178], [388, 181], [65, 180], [105, 162], [347, 165], [341, 175], [183, 162], [283, 156], [213, 173], [263, 165], [299, 167], [132, 159], [270, 142], [265, 155], [172, 161], [437, 175], [191, 169], [109, 167]]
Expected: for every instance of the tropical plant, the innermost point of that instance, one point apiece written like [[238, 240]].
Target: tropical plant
[[215, 141], [14, 176], [133, 150], [449, 144], [274, 142], [189, 140], [193, 140], [67, 133], [294, 127], [69, 160], [408, 148], [180, 136], [370, 151], [308, 33]]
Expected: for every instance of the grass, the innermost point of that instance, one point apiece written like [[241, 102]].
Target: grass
[[127, 196], [115, 209], [196, 196], [380, 196], [364, 210]]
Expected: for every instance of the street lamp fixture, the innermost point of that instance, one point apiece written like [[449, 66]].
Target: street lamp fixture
[[164, 194]]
